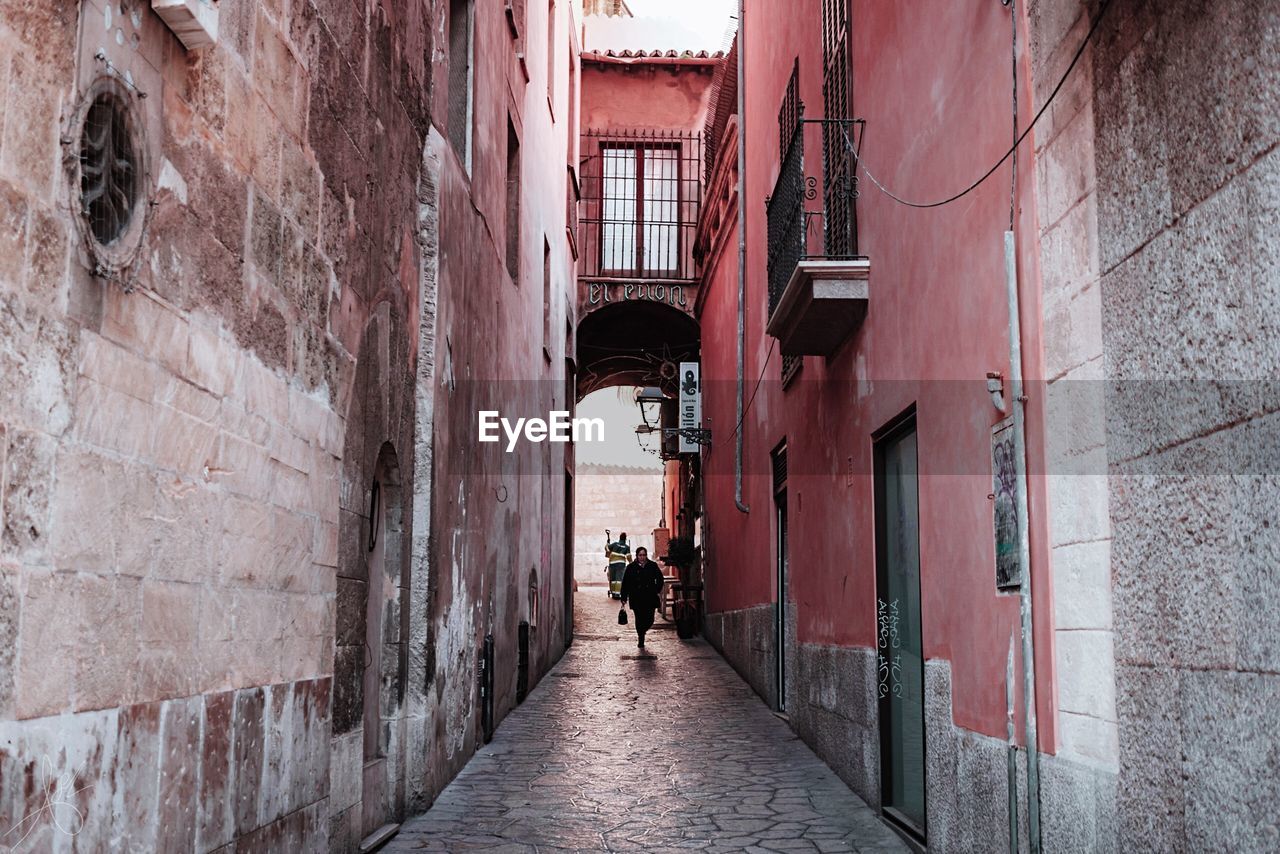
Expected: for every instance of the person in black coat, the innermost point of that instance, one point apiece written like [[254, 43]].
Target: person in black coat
[[641, 586]]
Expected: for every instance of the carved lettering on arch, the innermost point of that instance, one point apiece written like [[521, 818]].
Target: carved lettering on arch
[[599, 293]]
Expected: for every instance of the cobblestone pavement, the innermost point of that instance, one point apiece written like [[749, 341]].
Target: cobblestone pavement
[[669, 752]]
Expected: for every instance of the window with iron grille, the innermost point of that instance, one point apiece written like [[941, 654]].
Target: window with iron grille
[[790, 111], [108, 171], [461, 47], [797, 231], [785, 205], [641, 193], [641, 201], [789, 129], [839, 180], [791, 366]]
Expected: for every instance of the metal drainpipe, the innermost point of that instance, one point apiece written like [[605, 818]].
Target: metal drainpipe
[[742, 263], [1012, 752], [1024, 545]]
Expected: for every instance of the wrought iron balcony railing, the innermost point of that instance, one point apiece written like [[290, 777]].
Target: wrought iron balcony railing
[[800, 230], [641, 195]]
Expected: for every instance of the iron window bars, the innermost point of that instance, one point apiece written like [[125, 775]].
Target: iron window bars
[[641, 196], [108, 171], [798, 231], [788, 117]]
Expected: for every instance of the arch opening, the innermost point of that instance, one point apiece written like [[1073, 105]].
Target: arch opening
[[634, 343]]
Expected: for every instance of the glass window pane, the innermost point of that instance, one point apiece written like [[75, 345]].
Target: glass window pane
[[661, 209], [618, 226], [899, 639]]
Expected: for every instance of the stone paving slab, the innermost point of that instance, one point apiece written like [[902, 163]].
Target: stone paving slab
[[671, 751]]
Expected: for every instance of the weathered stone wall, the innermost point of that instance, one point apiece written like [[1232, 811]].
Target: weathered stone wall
[[1187, 230], [1080, 528], [497, 519], [174, 433], [832, 705], [747, 638], [1158, 225]]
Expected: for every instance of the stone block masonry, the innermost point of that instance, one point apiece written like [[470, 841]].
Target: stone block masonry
[[619, 498], [171, 436], [1159, 293], [229, 615], [185, 774]]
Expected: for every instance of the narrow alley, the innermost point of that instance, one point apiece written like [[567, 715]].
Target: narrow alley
[[616, 751], [916, 363]]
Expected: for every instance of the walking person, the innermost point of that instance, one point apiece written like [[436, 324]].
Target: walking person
[[641, 586], [618, 553]]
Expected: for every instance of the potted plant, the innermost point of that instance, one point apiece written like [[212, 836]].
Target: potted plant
[[682, 554]]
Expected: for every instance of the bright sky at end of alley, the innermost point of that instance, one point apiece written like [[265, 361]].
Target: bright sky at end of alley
[[696, 25]]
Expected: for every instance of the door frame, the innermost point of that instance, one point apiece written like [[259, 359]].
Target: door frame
[[781, 565], [568, 556], [897, 428], [782, 541]]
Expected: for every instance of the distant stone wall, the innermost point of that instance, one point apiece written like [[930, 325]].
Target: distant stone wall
[[619, 498]]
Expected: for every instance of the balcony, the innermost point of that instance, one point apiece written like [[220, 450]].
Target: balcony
[[818, 283]]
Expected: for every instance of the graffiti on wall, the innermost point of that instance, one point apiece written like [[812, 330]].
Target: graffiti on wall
[[888, 643], [1003, 483]]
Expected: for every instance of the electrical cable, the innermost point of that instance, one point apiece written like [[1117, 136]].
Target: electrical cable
[[759, 379], [1102, 11], [1012, 152]]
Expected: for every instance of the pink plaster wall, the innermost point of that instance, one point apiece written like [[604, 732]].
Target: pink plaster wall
[[644, 93], [498, 517], [931, 80]]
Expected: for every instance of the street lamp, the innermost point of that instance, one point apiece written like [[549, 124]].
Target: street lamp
[[650, 400], [644, 437]]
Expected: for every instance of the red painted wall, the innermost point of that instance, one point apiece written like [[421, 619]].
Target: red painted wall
[[658, 92], [932, 81]]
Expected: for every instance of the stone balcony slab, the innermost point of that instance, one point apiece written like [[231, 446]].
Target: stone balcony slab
[[824, 303]]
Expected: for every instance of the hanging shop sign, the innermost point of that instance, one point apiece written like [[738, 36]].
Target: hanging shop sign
[[690, 406]]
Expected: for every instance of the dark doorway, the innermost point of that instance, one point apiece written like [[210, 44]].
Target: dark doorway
[[899, 645], [780, 564], [568, 558], [385, 644]]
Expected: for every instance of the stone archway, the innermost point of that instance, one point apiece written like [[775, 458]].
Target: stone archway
[[634, 342]]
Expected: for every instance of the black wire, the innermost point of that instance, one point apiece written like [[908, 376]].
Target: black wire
[[1079, 52], [747, 408]]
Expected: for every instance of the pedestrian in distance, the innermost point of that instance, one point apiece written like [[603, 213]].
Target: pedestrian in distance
[[618, 554], [642, 586]]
